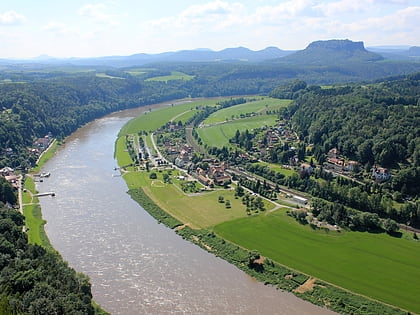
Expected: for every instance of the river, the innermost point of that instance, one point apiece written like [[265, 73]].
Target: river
[[136, 265]]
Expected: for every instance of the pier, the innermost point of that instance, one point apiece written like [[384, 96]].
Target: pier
[[51, 193]]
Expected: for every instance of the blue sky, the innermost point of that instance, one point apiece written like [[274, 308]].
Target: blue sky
[[83, 28]]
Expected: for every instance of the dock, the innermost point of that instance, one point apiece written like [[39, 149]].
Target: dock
[[50, 193]]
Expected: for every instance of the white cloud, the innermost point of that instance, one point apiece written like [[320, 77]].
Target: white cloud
[[11, 18], [211, 16], [402, 20], [59, 29], [96, 12]]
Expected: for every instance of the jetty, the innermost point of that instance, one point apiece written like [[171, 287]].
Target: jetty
[[50, 193]]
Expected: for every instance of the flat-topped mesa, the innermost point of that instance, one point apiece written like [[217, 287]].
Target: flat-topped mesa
[[338, 44], [332, 52]]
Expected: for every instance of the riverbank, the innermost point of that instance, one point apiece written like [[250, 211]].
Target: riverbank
[[261, 268]]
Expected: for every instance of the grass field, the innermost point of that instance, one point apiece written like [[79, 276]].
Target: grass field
[[375, 265], [175, 75], [262, 105], [200, 210], [139, 71], [33, 216], [155, 119], [219, 135], [278, 168]]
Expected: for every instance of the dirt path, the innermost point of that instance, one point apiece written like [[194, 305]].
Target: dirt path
[[307, 286]]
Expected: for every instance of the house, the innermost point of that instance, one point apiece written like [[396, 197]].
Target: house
[[205, 180], [353, 166], [334, 153], [306, 168], [336, 161], [42, 143], [222, 179], [173, 150], [380, 174], [5, 171]]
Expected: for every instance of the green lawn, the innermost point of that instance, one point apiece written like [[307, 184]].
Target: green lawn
[[33, 216], [262, 105], [219, 135], [375, 265], [199, 211], [123, 156], [278, 168], [175, 75], [153, 120]]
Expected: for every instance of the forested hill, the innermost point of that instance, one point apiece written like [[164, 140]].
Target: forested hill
[[61, 105], [374, 124]]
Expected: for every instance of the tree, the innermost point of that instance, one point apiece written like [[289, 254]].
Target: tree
[[227, 204], [152, 175], [390, 226], [221, 199]]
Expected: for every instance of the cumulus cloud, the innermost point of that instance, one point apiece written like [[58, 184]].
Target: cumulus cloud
[[214, 15], [288, 24], [11, 18], [96, 12]]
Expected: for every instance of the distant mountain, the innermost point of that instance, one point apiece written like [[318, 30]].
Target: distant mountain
[[239, 54], [397, 52], [200, 55], [332, 52], [414, 51]]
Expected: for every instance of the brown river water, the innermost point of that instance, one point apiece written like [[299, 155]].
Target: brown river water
[[136, 265]]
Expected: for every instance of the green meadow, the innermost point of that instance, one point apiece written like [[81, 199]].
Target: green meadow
[[262, 105], [376, 265], [153, 120], [277, 168], [33, 216], [219, 135], [175, 75]]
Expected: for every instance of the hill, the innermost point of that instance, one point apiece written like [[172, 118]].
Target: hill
[[332, 52], [198, 55]]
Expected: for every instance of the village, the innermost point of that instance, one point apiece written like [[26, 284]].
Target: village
[[14, 176]]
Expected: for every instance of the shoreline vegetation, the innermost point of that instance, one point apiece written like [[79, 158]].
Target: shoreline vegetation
[[163, 208]]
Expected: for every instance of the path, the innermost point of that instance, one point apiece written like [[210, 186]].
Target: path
[[179, 115]]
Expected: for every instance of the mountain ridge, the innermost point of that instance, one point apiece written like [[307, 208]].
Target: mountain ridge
[[322, 52]]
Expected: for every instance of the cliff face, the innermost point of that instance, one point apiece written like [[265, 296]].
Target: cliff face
[[332, 52], [337, 45]]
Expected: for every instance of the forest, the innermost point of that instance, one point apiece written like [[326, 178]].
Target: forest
[[34, 280]]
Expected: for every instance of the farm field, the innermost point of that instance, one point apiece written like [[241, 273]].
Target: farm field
[[201, 210], [375, 265], [153, 120], [175, 75], [219, 135], [260, 105]]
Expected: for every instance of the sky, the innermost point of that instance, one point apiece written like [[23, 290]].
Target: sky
[[91, 28]]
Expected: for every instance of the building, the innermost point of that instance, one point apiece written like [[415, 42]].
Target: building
[[306, 168], [380, 174]]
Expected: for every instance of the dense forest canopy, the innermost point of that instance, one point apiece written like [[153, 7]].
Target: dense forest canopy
[[34, 280], [373, 123]]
